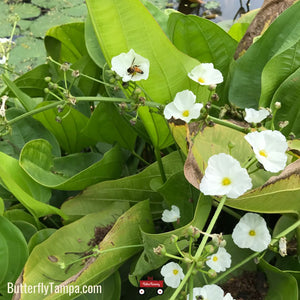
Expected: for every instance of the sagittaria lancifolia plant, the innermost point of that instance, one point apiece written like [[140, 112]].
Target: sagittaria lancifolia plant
[[95, 118]]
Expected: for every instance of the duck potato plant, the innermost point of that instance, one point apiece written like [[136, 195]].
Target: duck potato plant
[[143, 161]]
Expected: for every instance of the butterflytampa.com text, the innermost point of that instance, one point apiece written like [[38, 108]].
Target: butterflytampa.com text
[[51, 287]]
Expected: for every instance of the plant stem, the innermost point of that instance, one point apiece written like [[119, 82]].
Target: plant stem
[[249, 162], [210, 227], [201, 247], [140, 158], [227, 210], [228, 124], [160, 165], [173, 256], [35, 111], [191, 286]]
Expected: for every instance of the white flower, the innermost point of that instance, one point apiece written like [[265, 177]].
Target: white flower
[[255, 116], [228, 297], [282, 246], [4, 40], [225, 176], [208, 292], [2, 108], [3, 60], [172, 274], [172, 215], [251, 232], [205, 74], [131, 66], [183, 107], [269, 148], [219, 261]]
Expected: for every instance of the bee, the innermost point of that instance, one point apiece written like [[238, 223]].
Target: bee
[[133, 69]]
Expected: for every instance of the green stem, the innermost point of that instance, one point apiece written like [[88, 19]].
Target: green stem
[[83, 75], [210, 227], [228, 124], [34, 112], [191, 287], [255, 254], [160, 165], [178, 249], [140, 158], [173, 256], [249, 162], [227, 210], [201, 247], [216, 107], [190, 246], [11, 37]]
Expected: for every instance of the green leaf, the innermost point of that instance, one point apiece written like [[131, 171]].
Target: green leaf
[[134, 27], [27, 229], [24, 131], [39, 237], [25, 189], [238, 30], [73, 172], [14, 252], [41, 265], [20, 215], [281, 285], [2, 207], [68, 131], [92, 44], [276, 71], [156, 126], [148, 260], [279, 194], [287, 94], [108, 125], [25, 100], [203, 40], [131, 189], [25, 10], [245, 88]]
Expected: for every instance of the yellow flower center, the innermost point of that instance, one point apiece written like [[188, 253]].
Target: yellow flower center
[[175, 271], [226, 181], [215, 258], [263, 153], [201, 80], [252, 233], [186, 113]]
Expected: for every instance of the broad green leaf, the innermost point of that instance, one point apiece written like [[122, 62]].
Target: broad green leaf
[[39, 237], [108, 125], [281, 285], [280, 194], [203, 40], [135, 28], [92, 44], [65, 43], [25, 100], [68, 130], [73, 172], [20, 215], [24, 131], [238, 30], [27, 229], [25, 10], [13, 253], [156, 126], [2, 207], [148, 260], [288, 94], [245, 88], [131, 189], [177, 191], [25, 189], [32, 82], [276, 71], [42, 264]]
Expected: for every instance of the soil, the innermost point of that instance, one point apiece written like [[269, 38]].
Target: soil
[[247, 286]]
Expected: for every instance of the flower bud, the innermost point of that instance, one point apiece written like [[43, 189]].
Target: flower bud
[[211, 273], [215, 97], [212, 87], [75, 73], [65, 66], [174, 238], [209, 249], [292, 136], [46, 90], [283, 124], [58, 119], [160, 250], [47, 79], [200, 264], [277, 105]]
